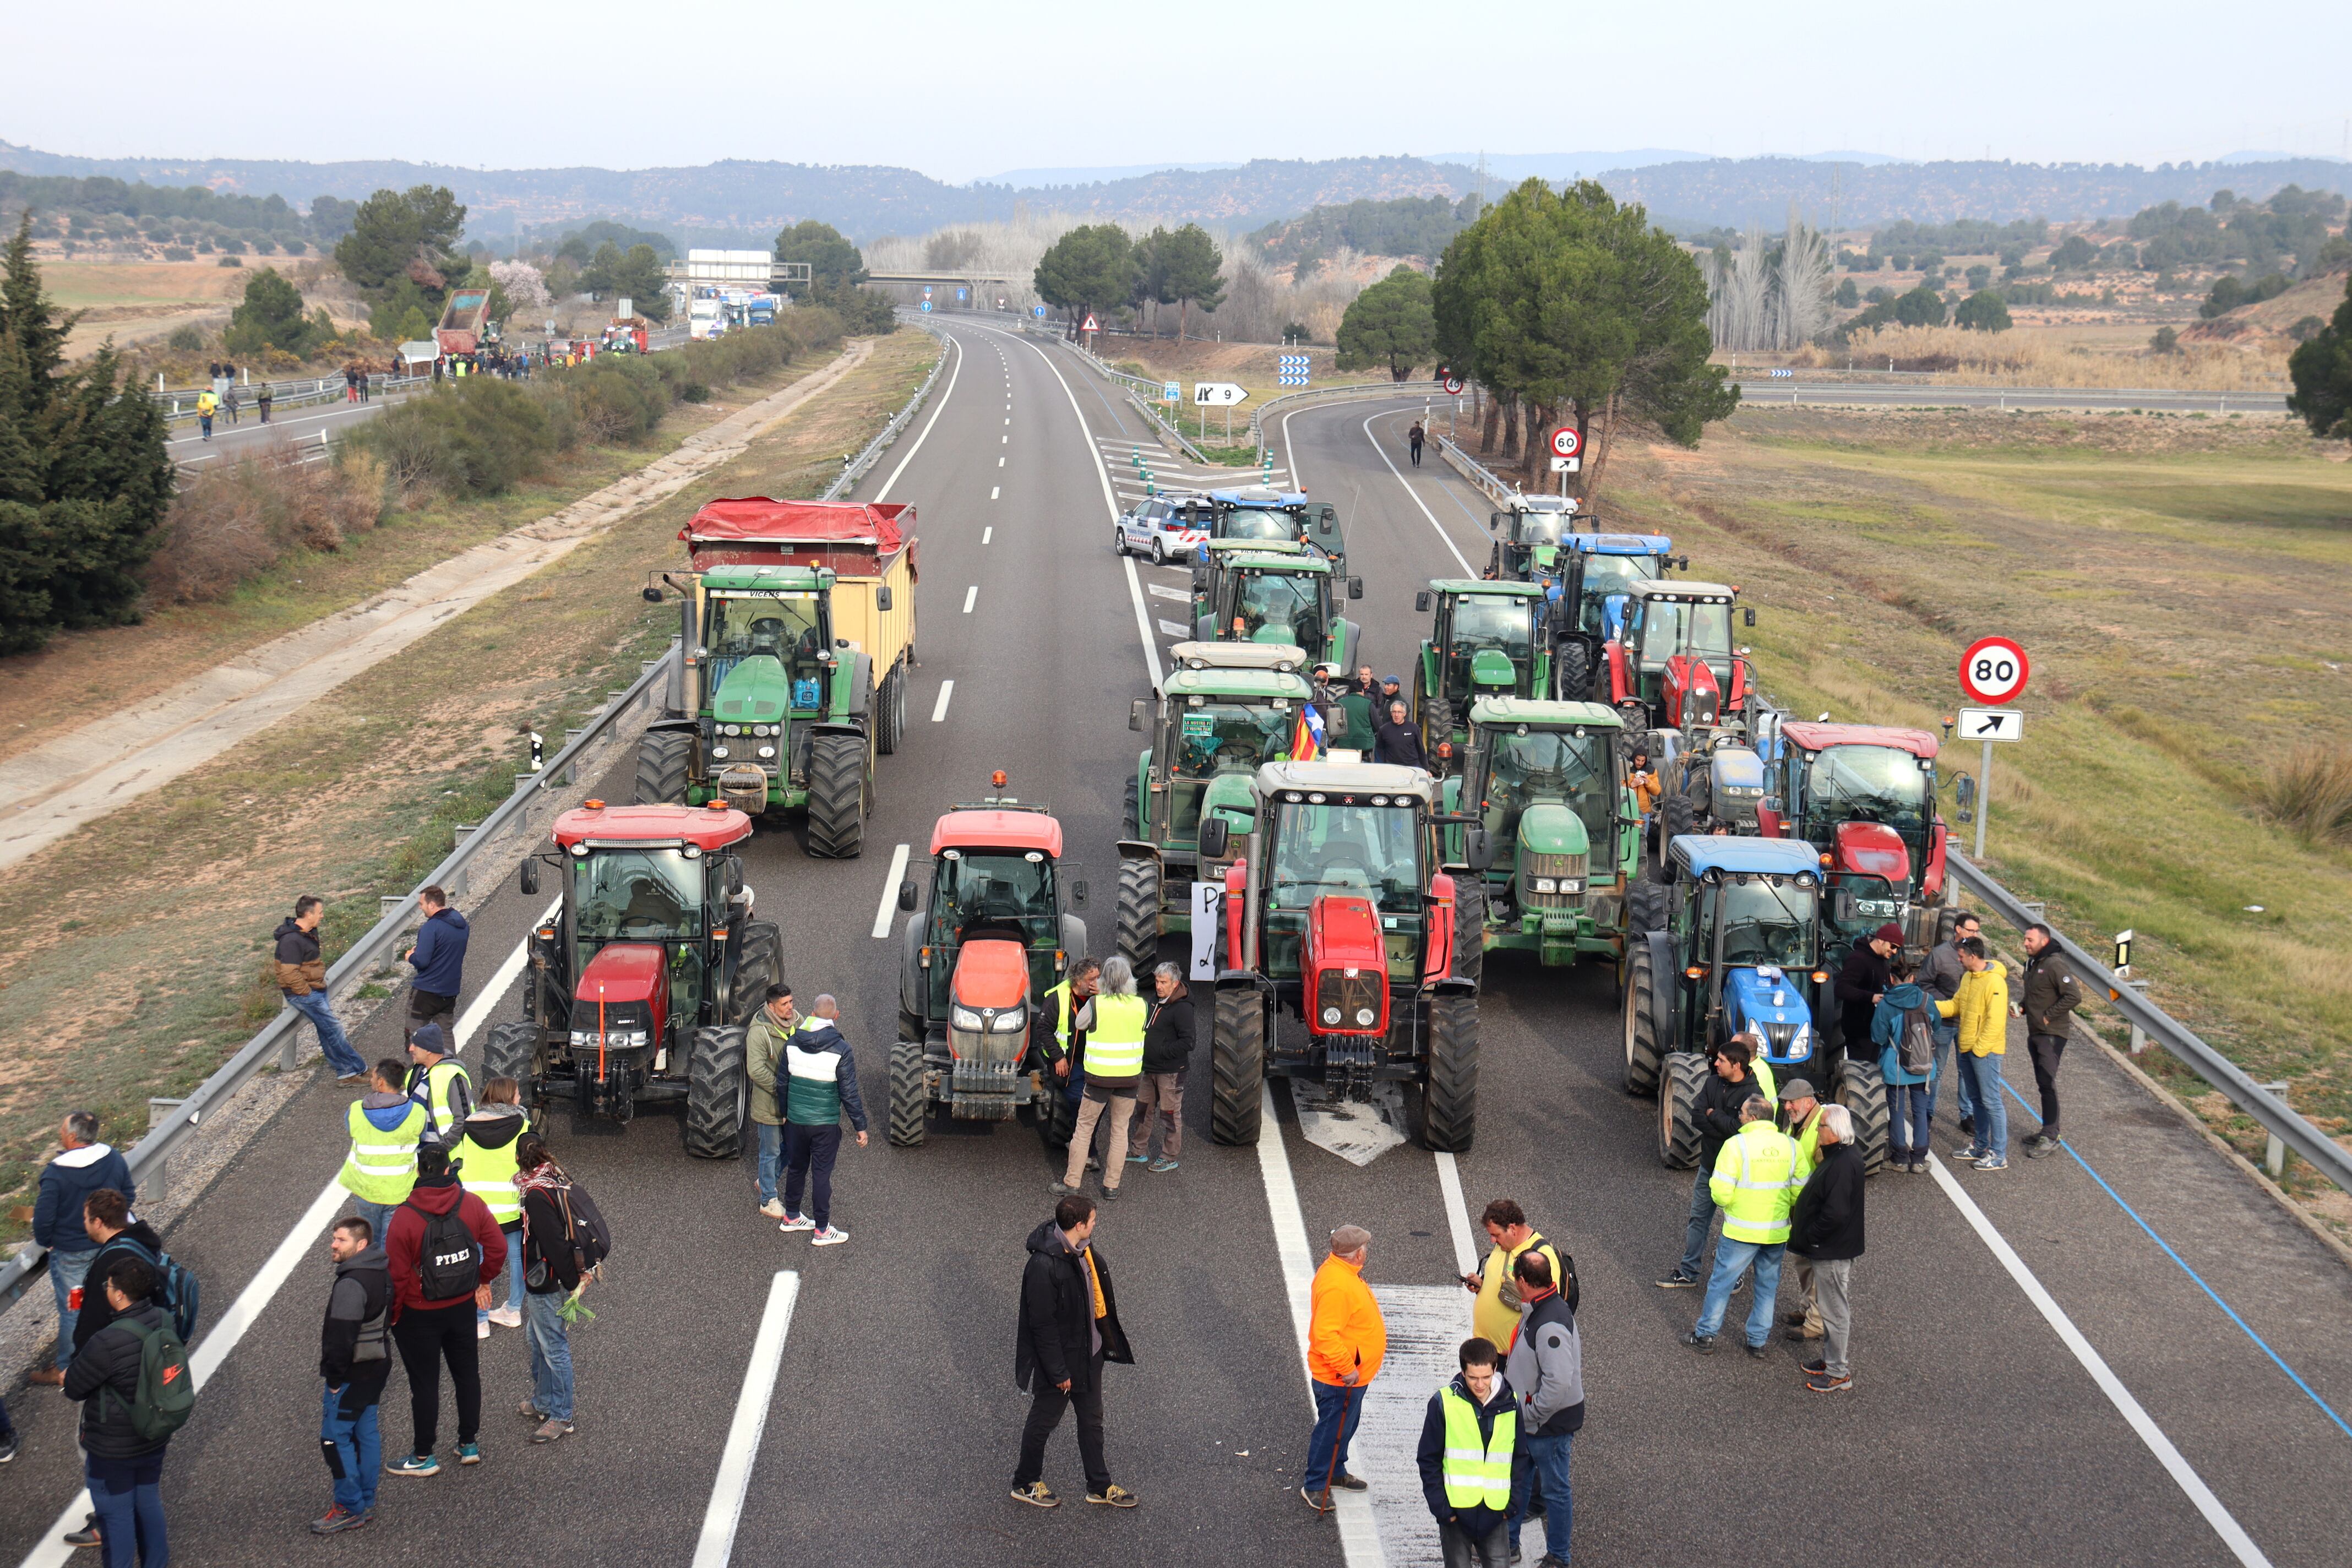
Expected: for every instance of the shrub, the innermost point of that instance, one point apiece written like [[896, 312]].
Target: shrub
[[478, 438], [234, 521], [2309, 792], [231, 261], [178, 253], [695, 392], [186, 340], [2165, 342]]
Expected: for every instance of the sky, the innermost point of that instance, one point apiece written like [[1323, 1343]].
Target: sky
[[964, 92]]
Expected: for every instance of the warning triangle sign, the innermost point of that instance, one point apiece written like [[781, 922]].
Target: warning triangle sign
[[1090, 326]]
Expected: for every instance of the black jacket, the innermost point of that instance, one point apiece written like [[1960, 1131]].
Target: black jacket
[[1169, 1038], [97, 1312], [1718, 1112], [110, 1361], [1476, 1521], [1827, 1223], [1862, 975], [549, 1263], [2051, 993], [361, 1295], [1057, 1319], [1398, 743]]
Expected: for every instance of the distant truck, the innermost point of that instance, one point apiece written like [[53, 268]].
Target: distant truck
[[466, 325], [706, 318]]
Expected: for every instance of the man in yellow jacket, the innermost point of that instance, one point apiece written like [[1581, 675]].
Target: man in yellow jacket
[[1755, 1185], [1346, 1337], [1981, 1007]]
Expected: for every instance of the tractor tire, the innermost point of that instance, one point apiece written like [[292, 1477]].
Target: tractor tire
[[890, 711], [1647, 906], [1469, 931], [1575, 674], [1138, 915], [1449, 1089], [1676, 817], [512, 1051], [1635, 734], [1237, 1067], [836, 804], [1057, 1118], [1678, 1092], [761, 965], [718, 1094], [1644, 1052], [910, 1095], [1947, 918], [1436, 725], [664, 757], [1134, 817], [1863, 1094]]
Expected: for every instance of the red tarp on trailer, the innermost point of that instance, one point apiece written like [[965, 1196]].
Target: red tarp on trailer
[[857, 539]]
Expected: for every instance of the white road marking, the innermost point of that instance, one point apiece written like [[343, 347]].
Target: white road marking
[[970, 595], [999, 462], [940, 708], [1006, 440], [941, 407], [898, 871], [1467, 571], [984, 534], [1165, 591], [1175, 629], [1457, 1214], [716, 1544], [2191, 1484], [1008, 418], [992, 491]]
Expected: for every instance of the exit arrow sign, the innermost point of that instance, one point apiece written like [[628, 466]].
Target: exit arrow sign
[[1991, 725]]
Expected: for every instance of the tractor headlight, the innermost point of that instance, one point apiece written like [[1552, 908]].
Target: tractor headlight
[[730, 729], [1366, 1016], [1011, 1021], [636, 1036], [719, 751], [1544, 885], [582, 1038], [964, 1018], [1330, 1015], [766, 751]]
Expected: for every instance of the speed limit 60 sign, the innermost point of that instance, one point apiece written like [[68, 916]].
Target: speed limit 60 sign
[[1566, 442], [1993, 672]]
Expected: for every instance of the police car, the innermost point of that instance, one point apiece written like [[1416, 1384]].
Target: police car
[[1158, 528]]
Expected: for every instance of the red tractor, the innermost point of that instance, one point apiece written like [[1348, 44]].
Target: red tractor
[[1672, 666], [642, 983], [1863, 795]]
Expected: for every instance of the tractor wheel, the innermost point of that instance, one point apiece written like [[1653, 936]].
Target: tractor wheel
[[1469, 931], [1947, 918], [910, 1027], [1449, 1090], [1863, 1094], [1643, 1046], [1646, 906], [1575, 676], [761, 966], [663, 758], [1676, 815], [890, 711], [1436, 726], [910, 1095], [1057, 1118], [1237, 1067], [1139, 912], [1678, 1092], [513, 1051], [1134, 807], [718, 1093], [1635, 734], [836, 805]]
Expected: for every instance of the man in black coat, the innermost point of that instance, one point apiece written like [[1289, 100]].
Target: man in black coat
[[106, 1215], [2048, 1000], [125, 1471], [1396, 741], [1729, 1088], [1825, 1228], [355, 1359], [1861, 982], [1069, 1331], [1168, 1041]]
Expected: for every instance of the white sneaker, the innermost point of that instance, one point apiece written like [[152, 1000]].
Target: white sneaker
[[481, 1328], [793, 1222], [831, 1235], [507, 1317], [773, 1208]]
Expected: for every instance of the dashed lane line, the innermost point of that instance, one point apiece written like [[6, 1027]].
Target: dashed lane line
[[941, 407], [969, 595], [985, 534], [888, 906], [940, 708], [717, 1542]]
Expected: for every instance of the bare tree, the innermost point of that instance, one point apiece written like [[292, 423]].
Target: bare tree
[[1802, 296]]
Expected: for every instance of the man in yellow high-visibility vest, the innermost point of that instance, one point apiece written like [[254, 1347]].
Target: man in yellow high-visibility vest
[[1467, 1441], [1755, 1185]]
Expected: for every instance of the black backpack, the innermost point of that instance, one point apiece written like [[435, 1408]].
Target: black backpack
[[175, 1289], [584, 1229], [1915, 1050], [448, 1263]]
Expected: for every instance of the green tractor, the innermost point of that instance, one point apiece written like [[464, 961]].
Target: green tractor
[[1224, 710], [1277, 592], [1482, 643], [1529, 533], [1564, 834], [1260, 514]]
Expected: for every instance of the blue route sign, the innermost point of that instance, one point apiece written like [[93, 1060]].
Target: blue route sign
[[1290, 370], [962, 294], [1038, 312], [927, 304]]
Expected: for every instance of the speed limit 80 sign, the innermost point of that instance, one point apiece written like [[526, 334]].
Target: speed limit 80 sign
[[1993, 672]]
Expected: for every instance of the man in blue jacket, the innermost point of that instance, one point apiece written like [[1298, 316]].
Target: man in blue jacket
[[439, 956], [85, 1166]]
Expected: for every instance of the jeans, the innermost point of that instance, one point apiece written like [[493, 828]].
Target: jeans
[[551, 1354], [1549, 1456], [378, 1215], [1908, 1109], [1835, 1279], [332, 1041], [128, 1496], [1463, 1550], [2047, 1051], [349, 1438], [1338, 1409], [1091, 1109], [808, 1157], [67, 1271], [1159, 1098], [426, 1337], [1701, 1217], [1964, 1090], [771, 1154], [514, 1233], [1982, 1074], [1731, 1260], [1045, 1406]]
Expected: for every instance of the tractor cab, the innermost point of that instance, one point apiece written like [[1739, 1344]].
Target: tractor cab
[[1589, 588], [1336, 913], [1672, 664], [767, 673], [1715, 783], [641, 983], [1262, 514], [1529, 532], [1482, 643], [1863, 797], [1282, 593], [1544, 780], [991, 938], [1211, 726]]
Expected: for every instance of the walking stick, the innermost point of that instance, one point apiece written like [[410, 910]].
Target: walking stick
[[1331, 1472]]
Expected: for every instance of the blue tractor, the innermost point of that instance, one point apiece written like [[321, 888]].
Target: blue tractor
[[1740, 950], [1588, 578]]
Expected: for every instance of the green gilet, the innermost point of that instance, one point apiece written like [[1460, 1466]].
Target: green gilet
[[813, 1085]]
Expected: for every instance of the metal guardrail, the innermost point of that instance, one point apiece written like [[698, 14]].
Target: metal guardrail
[[181, 402], [859, 466], [303, 449], [1496, 487], [279, 1040], [1348, 392], [1142, 391]]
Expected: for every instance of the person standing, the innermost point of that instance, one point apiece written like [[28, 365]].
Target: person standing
[[354, 1361], [439, 1082], [2047, 1001], [1398, 741], [83, 1166], [1825, 1229], [1346, 1340], [124, 1469], [1982, 1010], [821, 1081], [1547, 1371], [1168, 1040], [1862, 980], [1940, 978], [261, 401], [1801, 1107], [1495, 1315], [229, 404], [1755, 1185], [763, 1051], [438, 955], [1718, 1114], [1070, 1331], [302, 981], [1058, 1036], [206, 404], [485, 1166], [386, 1125], [1415, 437], [1358, 701], [1469, 1440], [435, 1290], [550, 1269], [1903, 1012], [120, 1237], [1114, 1068]]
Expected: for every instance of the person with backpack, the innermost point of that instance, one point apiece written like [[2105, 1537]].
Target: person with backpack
[[121, 1237], [1903, 1029], [563, 1240], [355, 1359], [486, 1167], [135, 1390], [443, 1249]]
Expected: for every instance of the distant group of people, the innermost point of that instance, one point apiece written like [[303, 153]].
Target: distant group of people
[[1369, 714]]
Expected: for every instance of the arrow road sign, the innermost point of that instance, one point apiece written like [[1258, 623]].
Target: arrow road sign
[[1217, 394], [1566, 465], [1993, 672], [1290, 370], [1038, 312], [1991, 725], [1566, 442]]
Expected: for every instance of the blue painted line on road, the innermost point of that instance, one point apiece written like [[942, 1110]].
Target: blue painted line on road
[[2277, 1359]]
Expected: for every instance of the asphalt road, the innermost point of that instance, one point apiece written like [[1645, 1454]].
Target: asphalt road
[[1978, 1430]]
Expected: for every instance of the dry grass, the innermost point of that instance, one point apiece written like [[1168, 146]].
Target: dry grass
[[2309, 790], [2024, 357], [236, 521]]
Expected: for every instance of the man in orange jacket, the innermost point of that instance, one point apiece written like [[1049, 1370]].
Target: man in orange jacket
[[1346, 1337]]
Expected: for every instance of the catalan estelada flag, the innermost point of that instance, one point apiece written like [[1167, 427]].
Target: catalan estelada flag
[[1307, 737]]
